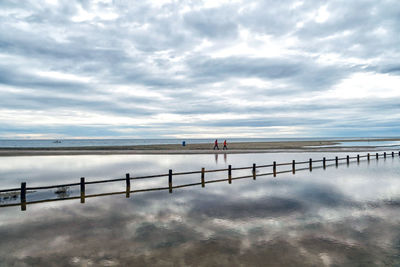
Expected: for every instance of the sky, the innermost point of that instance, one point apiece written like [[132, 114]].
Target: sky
[[199, 69]]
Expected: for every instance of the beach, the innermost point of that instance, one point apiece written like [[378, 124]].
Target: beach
[[344, 145]]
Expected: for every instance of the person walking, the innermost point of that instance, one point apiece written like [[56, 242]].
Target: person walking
[[225, 147], [216, 144]]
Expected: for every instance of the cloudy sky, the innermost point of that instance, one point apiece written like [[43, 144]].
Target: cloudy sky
[[194, 69]]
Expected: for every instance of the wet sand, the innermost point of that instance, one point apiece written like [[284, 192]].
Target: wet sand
[[240, 147]]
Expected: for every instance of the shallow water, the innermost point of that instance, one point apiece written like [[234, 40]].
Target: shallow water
[[386, 144], [345, 216]]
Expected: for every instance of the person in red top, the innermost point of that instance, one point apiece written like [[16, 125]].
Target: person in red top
[[225, 147], [216, 144]]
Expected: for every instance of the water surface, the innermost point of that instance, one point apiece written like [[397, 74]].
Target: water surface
[[53, 143], [345, 216]]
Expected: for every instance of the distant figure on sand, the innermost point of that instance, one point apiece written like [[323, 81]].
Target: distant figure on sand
[[225, 147], [216, 144]]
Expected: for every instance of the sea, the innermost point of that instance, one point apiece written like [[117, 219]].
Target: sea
[[49, 143]]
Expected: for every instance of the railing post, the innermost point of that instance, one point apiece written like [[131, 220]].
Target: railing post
[[170, 181], [392, 154], [274, 168], [358, 158], [324, 163], [377, 155], [202, 177], [82, 189], [254, 171], [310, 165], [128, 185], [230, 174], [23, 196], [293, 166], [399, 153], [337, 161], [384, 155], [348, 159], [368, 156]]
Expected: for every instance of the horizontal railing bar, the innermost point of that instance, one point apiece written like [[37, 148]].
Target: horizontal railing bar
[[50, 186], [242, 177], [186, 173], [242, 168], [106, 181], [149, 176], [265, 174], [302, 162], [150, 189], [264, 166], [105, 194], [329, 165], [283, 164], [185, 185], [10, 205], [302, 169], [215, 181], [10, 190], [218, 170]]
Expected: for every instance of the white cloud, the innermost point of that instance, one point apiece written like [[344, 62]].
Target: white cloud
[[184, 68], [366, 85]]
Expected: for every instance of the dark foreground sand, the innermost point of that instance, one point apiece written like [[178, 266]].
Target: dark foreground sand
[[243, 147]]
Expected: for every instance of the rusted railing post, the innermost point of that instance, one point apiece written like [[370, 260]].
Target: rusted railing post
[[128, 185], [82, 189], [310, 163], [293, 166], [368, 157], [230, 174], [23, 196], [274, 168], [337, 161], [254, 171], [170, 181], [202, 177], [324, 163]]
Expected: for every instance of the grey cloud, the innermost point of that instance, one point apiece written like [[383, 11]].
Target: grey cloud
[[216, 69], [19, 78], [213, 24], [268, 207], [154, 47]]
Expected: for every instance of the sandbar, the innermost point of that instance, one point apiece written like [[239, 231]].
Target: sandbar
[[233, 148]]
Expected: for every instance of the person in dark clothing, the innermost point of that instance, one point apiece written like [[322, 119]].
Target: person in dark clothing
[[225, 147], [216, 144]]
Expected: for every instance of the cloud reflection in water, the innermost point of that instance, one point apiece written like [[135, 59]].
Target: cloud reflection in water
[[302, 220]]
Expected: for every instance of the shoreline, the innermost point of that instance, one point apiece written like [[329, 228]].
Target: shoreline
[[172, 149]]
